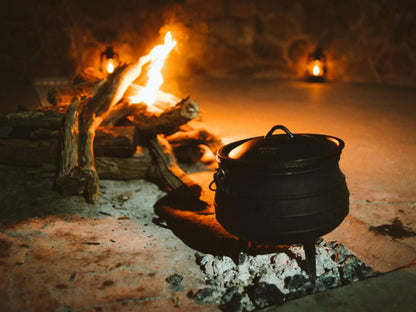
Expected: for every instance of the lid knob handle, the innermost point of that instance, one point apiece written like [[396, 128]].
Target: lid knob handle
[[270, 133]]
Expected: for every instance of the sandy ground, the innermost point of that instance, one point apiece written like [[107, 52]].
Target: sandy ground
[[59, 253]]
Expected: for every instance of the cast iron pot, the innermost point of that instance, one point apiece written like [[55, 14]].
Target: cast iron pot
[[281, 189]]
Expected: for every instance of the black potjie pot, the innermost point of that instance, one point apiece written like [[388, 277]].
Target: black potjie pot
[[281, 189]]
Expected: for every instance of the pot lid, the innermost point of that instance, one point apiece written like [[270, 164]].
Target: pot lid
[[286, 147]]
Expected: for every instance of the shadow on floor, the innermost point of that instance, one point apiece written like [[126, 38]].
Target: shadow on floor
[[200, 230]]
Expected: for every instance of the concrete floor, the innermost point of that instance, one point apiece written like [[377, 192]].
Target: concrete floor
[[62, 254]]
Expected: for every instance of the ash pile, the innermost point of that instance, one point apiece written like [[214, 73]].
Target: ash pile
[[253, 282]]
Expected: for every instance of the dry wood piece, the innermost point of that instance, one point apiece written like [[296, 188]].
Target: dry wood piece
[[89, 74], [167, 122], [50, 119], [121, 110], [31, 153], [92, 102], [166, 172], [117, 168], [64, 96], [116, 141], [77, 174], [195, 137], [42, 144], [84, 82]]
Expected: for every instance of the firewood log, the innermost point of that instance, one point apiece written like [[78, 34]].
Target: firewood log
[[122, 110], [88, 75], [168, 121], [116, 168], [64, 96], [77, 173], [165, 171], [50, 119], [195, 137], [116, 141]]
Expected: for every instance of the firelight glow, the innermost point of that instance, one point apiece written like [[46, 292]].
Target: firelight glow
[[157, 58], [110, 66], [316, 68]]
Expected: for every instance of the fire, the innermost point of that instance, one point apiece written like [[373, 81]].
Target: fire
[[316, 68], [156, 58], [110, 66]]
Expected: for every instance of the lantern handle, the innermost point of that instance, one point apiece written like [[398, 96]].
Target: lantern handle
[[270, 133]]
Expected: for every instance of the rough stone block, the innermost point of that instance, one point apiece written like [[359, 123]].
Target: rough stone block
[[204, 10], [267, 6], [98, 9], [232, 32], [241, 8], [395, 61], [282, 27], [299, 50], [318, 20], [267, 49], [348, 12]]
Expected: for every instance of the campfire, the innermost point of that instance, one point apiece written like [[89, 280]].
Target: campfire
[[116, 118]]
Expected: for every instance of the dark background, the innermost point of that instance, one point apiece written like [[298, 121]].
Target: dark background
[[371, 41]]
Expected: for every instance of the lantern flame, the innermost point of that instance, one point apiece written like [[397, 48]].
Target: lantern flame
[[157, 58], [110, 66], [316, 70]]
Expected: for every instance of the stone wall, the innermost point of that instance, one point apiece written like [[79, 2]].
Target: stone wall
[[365, 40]]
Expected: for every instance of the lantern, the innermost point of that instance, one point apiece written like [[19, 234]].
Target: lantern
[[316, 69], [108, 61]]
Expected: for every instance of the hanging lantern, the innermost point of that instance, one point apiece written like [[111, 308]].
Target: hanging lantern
[[316, 69], [109, 61]]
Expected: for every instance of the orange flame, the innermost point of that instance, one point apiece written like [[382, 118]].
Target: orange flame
[[316, 68], [157, 58], [110, 66]]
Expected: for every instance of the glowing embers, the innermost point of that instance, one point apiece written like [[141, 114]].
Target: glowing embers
[[316, 69]]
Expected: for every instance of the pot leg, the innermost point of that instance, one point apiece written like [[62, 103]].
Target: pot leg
[[310, 254]]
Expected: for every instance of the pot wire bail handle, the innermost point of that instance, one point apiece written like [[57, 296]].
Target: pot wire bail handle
[[270, 133], [218, 176]]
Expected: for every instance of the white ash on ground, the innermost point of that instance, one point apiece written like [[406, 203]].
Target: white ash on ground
[[252, 282]]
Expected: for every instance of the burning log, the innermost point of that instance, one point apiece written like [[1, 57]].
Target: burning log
[[95, 102], [77, 172], [169, 121], [84, 82], [121, 111], [64, 96]]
